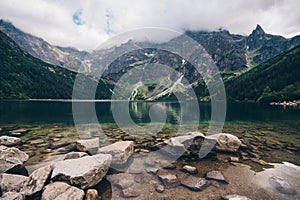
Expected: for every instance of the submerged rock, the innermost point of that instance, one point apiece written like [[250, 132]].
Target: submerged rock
[[88, 145], [11, 158], [130, 192], [194, 183], [18, 132], [75, 155], [9, 141], [281, 185], [120, 151], [159, 188], [216, 175], [83, 172], [36, 181], [235, 197], [60, 191], [11, 182], [190, 169], [170, 180]]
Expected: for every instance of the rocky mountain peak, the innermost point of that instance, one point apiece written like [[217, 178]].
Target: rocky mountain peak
[[258, 30]]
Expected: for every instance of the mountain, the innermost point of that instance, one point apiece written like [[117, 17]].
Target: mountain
[[69, 58], [277, 79], [23, 76]]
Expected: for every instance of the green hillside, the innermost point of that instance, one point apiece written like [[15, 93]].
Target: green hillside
[[22, 76], [274, 80]]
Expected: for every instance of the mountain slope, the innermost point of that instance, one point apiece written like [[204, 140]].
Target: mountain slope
[[69, 58], [23, 76], [274, 80]]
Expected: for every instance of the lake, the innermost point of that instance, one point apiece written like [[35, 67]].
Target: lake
[[273, 130]]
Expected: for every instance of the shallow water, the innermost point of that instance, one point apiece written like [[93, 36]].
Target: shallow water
[[258, 126]]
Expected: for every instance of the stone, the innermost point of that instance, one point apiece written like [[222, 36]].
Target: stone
[[88, 145], [11, 158], [259, 161], [130, 192], [159, 188], [12, 196], [121, 180], [62, 191], [18, 132], [83, 172], [234, 159], [152, 170], [11, 182], [194, 183], [58, 144], [120, 151], [36, 181], [190, 169], [91, 194], [169, 180], [165, 164], [66, 149], [9, 141], [75, 155], [281, 185], [226, 142], [216, 175], [235, 197]]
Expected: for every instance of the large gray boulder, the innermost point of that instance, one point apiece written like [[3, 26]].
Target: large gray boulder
[[62, 191], [88, 145], [120, 151], [11, 182], [9, 141], [226, 142], [36, 181], [11, 158], [83, 172]]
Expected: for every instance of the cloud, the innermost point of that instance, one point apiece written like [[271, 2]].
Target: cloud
[[86, 24]]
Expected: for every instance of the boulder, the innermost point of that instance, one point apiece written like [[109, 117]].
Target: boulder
[[12, 196], [9, 141], [83, 172], [120, 151], [281, 185], [75, 155], [216, 175], [62, 191], [11, 182], [226, 142], [194, 183], [36, 181], [11, 158], [234, 197], [88, 145]]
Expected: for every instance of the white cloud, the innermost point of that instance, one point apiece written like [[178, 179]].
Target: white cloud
[[100, 20]]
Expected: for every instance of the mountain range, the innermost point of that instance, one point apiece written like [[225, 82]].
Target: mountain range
[[233, 54]]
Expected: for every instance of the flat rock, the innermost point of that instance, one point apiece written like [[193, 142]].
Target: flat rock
[[227, 142], [58, 144], [12, 196], [9, 141], [122, 180], [235, 197], [75, 155], [91, 194], [281, 185], [62, 191], [11, 158], [130, 192], [216, 175], [36, 181], [18, 132], [83, 172], [194, 183], [11, 182], [88, 145], [120, 151], [170, 180], [189, 169]]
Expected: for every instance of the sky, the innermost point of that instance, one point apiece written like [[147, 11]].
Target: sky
[[85, 24]]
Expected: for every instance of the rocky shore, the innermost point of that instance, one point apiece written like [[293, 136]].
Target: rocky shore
[[130, 167]]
